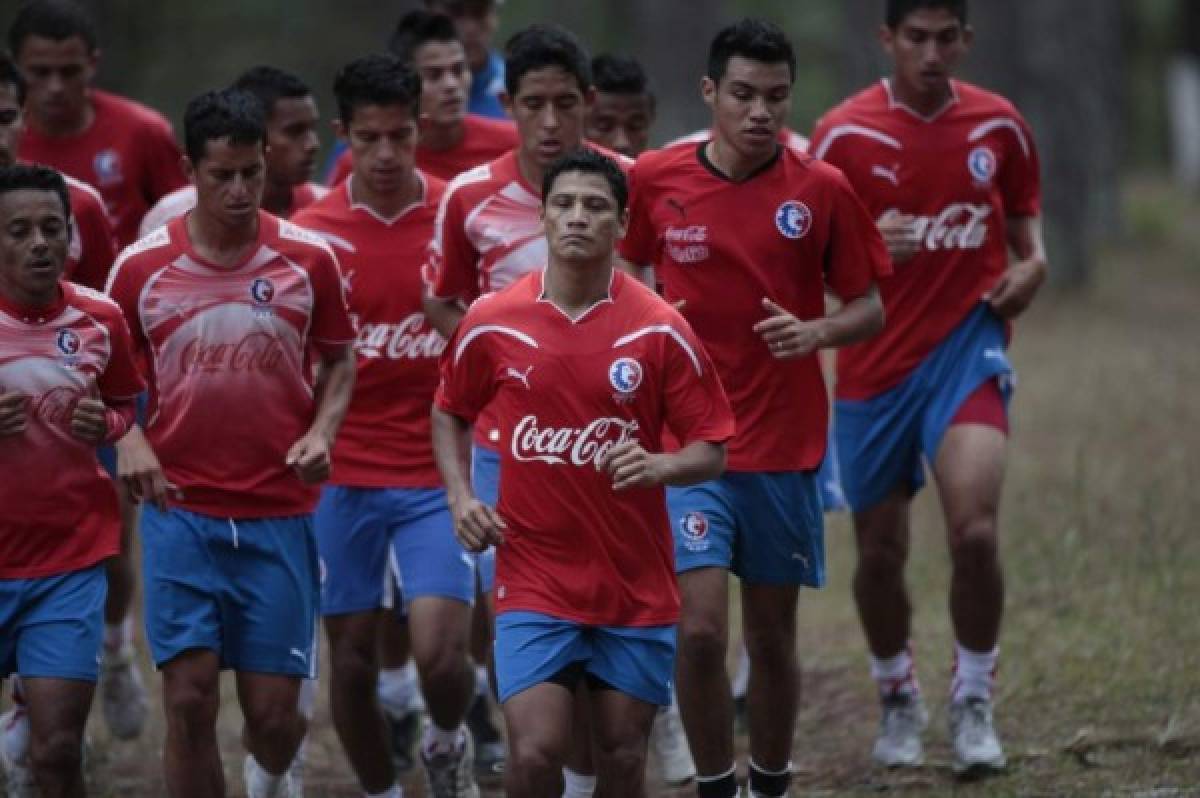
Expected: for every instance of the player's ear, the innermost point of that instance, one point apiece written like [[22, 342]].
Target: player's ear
[[708, 90], [887, 38], [189, 169]]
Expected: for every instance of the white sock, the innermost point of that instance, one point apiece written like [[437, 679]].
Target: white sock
[[439, 739], [307, 700], [895, 675], [974, 673], [482, 685], [741, 677], [260, 783], [578, 785], [118, 635], [395, 791], [396, 689]]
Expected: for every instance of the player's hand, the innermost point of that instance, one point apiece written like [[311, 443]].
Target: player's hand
[[141, 473], [309, 457], [14, 413], [89, 419], [631, 466], [1016, 288], [899, 235], [476, 525], [787, 336]]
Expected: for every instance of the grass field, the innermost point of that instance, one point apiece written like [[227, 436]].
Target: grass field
[[1099, 687]]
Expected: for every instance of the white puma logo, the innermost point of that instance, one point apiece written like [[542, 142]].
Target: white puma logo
[[520, 376], [887, 174]]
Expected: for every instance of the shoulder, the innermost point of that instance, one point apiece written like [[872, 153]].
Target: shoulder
[[131, 114], [473, 182], [435, 189], [148, 252], [83, 195], [297, 241], [170, 206], [494, 305], [95, 304], [486, 125], [322, 210], [667, 160], [990, 112]]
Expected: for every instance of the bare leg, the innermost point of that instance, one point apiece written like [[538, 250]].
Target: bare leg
[[58, 710], [621, 725], [879, 590], [702, 685], [356, 714], [769, 628], [539, 728], [191, 698]]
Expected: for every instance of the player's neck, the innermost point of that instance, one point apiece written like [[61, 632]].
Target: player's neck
[[923, 103], [734, 165], [278, 198], [574, 287], [65, 126], [386, 205], [531, 170], [15, 297], [219, 242], [443, 137]]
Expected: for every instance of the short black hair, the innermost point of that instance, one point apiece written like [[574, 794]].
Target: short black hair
[[12, 76], [463, 8], [896, 10], [540, 46], [417, 28], [225, 114], [32, 177], [52, 19], [755, 39], [377, 79], [270, 85], [590, 162], [619, 74]]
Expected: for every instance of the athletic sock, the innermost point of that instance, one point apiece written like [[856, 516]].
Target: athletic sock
[[896, 676], [482, 685], [261, 783], [974, 673], [769, 784], [578, 785], [396, 690], [395, 791], [439, 740], [722, 786]]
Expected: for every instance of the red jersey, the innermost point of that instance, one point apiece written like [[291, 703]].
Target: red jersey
[[58, 509], [563, 393], [961, 173], [385, 440], [128, 153], [227, 348], [484, 139], [784, 233], [93, 247], [182, 200]]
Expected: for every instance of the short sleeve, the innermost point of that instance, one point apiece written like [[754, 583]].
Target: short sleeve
[[123, 288], [332, 328], [697, 408], [466, 385], [98, 245], [638, 245], [855, 255], [452, 263], [121, 379], [1020, 175]]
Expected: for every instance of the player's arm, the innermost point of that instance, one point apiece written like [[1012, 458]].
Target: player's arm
[[311, 456], [443, 314], [1026, 272], [95, 420], [790, 337], [14, 413], [476, 525], [631, 466], [141, 472]]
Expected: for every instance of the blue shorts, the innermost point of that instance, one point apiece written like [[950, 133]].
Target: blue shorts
[[531, 648], [766, 527], [246, 588], [107, 454], [485, 481], [52, 627], [884, 441], [368, 537]]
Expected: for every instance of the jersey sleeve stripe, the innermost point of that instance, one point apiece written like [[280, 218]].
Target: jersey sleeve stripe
[[664, 329], [855, 130], [491, 328], [1001, 123]]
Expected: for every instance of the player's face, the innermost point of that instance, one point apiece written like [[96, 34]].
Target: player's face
[[926, 47], [476, 33], [549, 109], [33, 245], [229, 181], [10, 124], [750, 105], [383, 139], [581, 217], [445, 82], [292, 141], [58, 73], [621, 122]]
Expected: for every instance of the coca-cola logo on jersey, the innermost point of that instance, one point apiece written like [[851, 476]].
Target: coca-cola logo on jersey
[[399, 341], [258, 352], [580, 446], [959, 225], [687, 244], [56, 406]]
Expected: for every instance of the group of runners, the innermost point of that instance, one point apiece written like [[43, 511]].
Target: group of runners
[[504, 404]]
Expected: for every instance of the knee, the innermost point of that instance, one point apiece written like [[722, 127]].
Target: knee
[[446, 664], [273, 720], [621, 759], [773, 649], [881, 557], [191, 708], [57, 754], [973, 543], [533, 763], [702, 637], [354, 663]]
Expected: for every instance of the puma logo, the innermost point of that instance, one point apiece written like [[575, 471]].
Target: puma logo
[[520, 376], [887, 174]]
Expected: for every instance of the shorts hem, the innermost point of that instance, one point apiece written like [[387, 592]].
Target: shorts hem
[[73, 676]]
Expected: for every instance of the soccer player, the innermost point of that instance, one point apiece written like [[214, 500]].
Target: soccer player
[[67, 384], [230, 306], [451, 140], [746, 233], [582, 369], [124, 149], [292, 145], [950, 172], [622, 114], [385, 502], [477, 21]]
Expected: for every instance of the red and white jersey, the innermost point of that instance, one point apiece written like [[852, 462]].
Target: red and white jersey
[[787, 137], [228, 353], [484, 139], [128, 153], [93, 245], [58, 509], [182, 200], [386, 439], [784, 233], [563, 393], [961, 173]]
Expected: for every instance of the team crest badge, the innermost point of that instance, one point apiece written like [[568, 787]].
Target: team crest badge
[[694, 529], [793, 219], [67, 342], [107, 165], [625, 374], [981, 163], [262, 291]]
